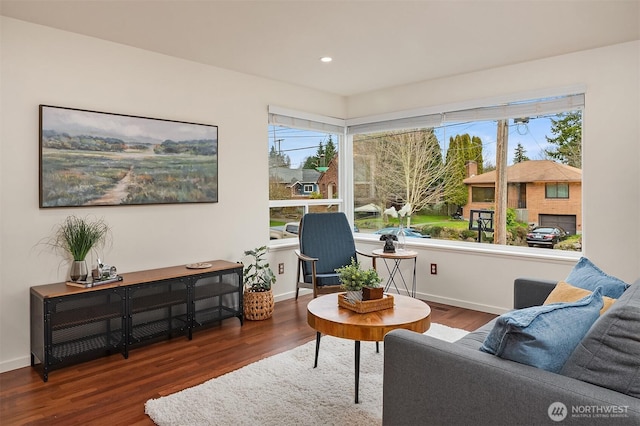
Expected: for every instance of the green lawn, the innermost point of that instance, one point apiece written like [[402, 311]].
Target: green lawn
[[417, 221]]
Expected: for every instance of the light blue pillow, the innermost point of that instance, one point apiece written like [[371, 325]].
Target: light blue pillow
[[543, 336], [588, 276]]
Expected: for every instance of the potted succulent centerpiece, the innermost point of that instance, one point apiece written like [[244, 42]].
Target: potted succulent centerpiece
[[76, 237], [257, 279], [353, 280]]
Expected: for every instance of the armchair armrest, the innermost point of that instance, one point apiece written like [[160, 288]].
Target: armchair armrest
[[305, 257]]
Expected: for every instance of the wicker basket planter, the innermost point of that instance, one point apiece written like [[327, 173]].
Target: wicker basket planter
[[258, 305]]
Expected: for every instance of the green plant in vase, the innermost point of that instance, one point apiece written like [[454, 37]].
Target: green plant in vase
[[353, 279], [258, 278], [257, 275], [77, 237]]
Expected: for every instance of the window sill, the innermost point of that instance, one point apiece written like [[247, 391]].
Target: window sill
[[454, 246], [481, 248]]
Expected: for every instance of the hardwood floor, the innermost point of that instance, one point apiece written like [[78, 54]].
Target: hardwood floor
[[112, 390]]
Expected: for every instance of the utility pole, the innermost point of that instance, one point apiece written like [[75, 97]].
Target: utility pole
[[500, 225]]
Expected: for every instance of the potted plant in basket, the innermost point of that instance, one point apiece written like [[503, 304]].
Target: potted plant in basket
[[76, 237], [353, 280], [257, 279]]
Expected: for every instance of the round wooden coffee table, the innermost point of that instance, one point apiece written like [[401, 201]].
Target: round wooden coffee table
[[326, 317]]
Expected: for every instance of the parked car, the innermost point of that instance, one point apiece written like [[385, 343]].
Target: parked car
[[408, 232], [288, 230], [545, 236]]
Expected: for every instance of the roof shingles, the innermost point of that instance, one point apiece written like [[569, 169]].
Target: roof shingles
[[532, 171]]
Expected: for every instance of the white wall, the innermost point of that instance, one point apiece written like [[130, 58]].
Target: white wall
[[46, 66], [41, 65]]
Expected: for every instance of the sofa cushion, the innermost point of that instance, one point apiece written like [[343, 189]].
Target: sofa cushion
[[609, 355], [540, 336], [565, 292], [588, 276], [475, 339]]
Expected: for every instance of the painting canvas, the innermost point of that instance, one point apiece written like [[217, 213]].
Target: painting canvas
[[90, 158]]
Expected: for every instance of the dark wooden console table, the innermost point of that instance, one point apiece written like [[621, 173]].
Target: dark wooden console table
[[70, 325]]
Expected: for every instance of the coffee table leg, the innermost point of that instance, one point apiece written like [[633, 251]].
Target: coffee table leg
[[315, 363], [357, 368]]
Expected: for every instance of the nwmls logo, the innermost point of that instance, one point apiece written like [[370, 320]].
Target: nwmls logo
[[557, 411]]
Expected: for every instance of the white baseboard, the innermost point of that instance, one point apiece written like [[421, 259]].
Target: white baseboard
[[14, 364], [498, 310]]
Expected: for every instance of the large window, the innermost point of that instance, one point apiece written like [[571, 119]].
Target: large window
[[446, 164], [509, 158]]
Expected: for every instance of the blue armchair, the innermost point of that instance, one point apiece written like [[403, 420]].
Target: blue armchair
[[326, 243]]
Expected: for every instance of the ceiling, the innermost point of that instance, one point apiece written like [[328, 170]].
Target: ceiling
[[374, 44]]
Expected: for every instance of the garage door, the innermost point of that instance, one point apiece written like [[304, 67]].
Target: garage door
[[564, 221]]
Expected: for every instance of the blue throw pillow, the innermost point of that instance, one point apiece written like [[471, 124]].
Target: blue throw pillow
[[543, 336], [588, 276]]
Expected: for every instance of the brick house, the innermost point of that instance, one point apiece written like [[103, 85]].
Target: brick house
[[328, 180], [542, 192]]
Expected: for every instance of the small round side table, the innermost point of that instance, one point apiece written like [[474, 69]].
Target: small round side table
[[398, 257]]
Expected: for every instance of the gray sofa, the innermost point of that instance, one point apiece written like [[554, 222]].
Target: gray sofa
[[428, 381]]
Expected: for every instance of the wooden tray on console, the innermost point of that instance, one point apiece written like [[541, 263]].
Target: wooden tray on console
[[367, 305]]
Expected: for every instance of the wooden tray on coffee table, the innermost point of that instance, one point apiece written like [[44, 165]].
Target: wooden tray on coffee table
[[364, 306]]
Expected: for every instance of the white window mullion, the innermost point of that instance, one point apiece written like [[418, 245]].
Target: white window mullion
[[345, 171]]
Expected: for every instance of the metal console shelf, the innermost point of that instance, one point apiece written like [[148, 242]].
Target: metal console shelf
[[70, 325]]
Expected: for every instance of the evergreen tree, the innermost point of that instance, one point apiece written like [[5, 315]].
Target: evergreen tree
[[323, 156], [314, 161], [520, 154], [567, 128], [462, 149], [476, 153], [455, 190], [278, 159], [330, 150]]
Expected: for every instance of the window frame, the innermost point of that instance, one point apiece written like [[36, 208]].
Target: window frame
[[556, 185], [485, 190]]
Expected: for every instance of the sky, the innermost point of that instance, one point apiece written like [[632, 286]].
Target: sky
[[300, 144], [124, 127]]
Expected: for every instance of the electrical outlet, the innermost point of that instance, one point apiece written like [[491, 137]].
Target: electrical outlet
[[434, 269], [280, 268]]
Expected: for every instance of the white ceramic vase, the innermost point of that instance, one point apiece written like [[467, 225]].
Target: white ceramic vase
[[353, 296]]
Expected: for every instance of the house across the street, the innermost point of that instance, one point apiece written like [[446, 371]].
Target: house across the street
[[300, 182], [542, 192]]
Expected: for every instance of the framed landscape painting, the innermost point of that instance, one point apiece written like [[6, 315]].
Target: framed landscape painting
[[90, 158]]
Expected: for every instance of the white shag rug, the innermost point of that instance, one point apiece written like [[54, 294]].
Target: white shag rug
[[285, 389]]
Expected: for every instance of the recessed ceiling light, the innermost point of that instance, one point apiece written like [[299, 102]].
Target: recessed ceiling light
[[326, 59]]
